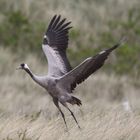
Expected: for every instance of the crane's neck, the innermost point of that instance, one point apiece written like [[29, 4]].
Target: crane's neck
[[41, 80], [30, 73]]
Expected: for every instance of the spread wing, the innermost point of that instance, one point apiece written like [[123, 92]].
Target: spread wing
[[54, 46], [76, 76]]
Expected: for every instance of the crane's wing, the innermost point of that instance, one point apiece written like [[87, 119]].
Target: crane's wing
[[54, 46], [70, 80]]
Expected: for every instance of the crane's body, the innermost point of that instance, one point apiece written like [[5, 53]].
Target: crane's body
[[51, 84], [61, 79]]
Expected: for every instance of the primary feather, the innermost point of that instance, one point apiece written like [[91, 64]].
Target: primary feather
[[54, 45], [71, 79]]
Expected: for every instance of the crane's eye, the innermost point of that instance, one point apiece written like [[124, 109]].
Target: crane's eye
[[22, 65]]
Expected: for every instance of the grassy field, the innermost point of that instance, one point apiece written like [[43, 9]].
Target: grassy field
[[27, 111], [96, 25]]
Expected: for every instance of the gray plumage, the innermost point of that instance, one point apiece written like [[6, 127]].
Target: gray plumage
[[61, 79]]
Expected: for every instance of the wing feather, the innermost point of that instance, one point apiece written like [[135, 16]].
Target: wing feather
[[70, 80], [60, 23], [54, 45], [57, 29], [55, 23], [52, 21]]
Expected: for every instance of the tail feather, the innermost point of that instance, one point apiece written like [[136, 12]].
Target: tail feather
[[75, 100]]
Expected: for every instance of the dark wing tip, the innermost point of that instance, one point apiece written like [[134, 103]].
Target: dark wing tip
[[57, 32], [52, 21], [121, 42]]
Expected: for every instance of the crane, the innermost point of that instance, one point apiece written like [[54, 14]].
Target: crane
[[61, 79]]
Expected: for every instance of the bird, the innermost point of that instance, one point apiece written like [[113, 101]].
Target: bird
[[62, 79]]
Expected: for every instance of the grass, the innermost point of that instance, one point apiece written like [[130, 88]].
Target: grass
[[97, 124], [27, 111]]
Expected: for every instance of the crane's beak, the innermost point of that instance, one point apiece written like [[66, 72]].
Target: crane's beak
[[18, 68]]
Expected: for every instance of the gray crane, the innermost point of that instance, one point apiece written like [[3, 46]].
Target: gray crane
[[61, 79]]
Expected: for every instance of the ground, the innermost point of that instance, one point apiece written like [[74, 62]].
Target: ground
[[28, 113]]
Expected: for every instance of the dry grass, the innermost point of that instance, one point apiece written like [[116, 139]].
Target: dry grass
[[27, 111]]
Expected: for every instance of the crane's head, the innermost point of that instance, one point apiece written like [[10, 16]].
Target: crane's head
[[23, 66]]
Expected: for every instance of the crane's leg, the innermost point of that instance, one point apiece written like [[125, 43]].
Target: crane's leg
[[64, 104], [55, 100]]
